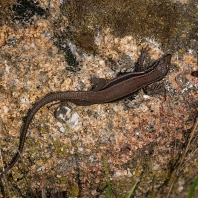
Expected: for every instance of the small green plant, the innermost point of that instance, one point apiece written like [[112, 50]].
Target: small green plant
[[109, 183], [107, 177], [132, 189], [193, 187]]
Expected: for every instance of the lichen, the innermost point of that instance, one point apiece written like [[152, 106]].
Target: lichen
[[62, 42], [60, 148], [24, 10]]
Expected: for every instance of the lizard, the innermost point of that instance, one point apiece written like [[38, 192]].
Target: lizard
[[104, 92]]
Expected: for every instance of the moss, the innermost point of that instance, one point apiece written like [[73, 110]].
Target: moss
[[130, 17], [60, 148], [85, 40], [162, 21], [74, 191], [43, 130], [181, 50]]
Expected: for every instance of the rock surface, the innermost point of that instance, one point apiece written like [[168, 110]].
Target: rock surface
[[44, 50]]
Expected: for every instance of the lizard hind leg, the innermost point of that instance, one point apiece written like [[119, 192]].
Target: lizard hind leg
[[53, 104]]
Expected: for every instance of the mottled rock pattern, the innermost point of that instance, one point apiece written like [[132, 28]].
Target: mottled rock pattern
[[142, 138]]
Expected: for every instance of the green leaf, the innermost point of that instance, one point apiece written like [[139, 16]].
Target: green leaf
[[193, 187], [132, 189]]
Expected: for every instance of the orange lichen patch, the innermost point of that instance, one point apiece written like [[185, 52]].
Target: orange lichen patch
[[191, 60], [3, 35]]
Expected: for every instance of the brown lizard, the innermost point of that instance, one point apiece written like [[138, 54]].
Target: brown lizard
[[103, 92]]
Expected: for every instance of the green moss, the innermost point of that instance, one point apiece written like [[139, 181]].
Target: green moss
[[181, 50], [43, 130], [74, 191], [60, 148]]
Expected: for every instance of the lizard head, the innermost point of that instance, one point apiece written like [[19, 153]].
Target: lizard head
[[164, 64]]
